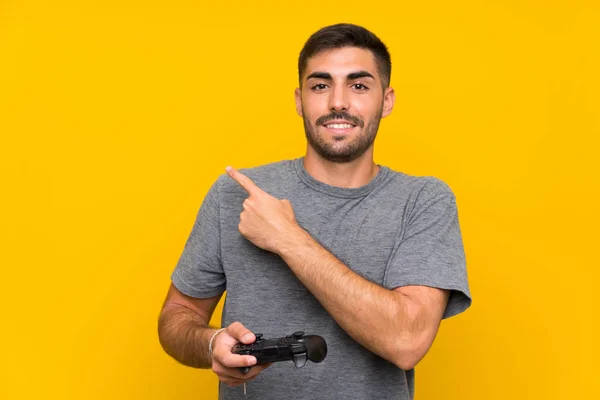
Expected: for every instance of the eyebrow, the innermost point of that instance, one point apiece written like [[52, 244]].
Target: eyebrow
[[350, 76]]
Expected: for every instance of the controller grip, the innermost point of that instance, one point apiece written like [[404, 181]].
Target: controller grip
[[316, 348], [244, 370]]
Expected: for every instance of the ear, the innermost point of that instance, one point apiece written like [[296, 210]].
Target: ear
[[389, 97], [298, 97]]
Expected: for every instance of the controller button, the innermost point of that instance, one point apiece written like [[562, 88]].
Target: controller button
[[297, 348]]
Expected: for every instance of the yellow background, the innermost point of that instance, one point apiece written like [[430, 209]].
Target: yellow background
[[116, 116]]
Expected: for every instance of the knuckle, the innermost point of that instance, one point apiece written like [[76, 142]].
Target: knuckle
[[227, 364], [217, 366], [219, 370], [224, 365], [236, 329]]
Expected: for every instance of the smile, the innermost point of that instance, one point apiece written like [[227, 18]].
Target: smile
[[339, 128]]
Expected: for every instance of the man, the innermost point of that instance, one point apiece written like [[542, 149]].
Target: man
[[331, 244]]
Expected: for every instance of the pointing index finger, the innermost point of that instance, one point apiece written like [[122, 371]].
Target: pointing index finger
[[245, 182]]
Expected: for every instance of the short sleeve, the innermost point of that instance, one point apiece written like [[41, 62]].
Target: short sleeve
[[199, 271], [430, 251]]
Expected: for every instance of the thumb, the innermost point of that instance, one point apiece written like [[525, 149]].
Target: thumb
[[239, 332]]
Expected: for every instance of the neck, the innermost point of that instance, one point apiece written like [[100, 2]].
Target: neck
[[353, 174]]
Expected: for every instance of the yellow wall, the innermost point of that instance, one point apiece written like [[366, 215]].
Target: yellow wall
[[116, 116]]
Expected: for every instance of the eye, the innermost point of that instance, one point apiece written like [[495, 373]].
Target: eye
[[319, 86], [359, 86]]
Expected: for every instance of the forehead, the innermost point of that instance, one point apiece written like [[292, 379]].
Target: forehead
[[341, 62]]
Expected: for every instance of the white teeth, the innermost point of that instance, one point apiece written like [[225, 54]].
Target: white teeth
[[339, 126]]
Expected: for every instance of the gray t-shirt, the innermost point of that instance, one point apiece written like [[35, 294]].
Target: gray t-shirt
[[397, 230]]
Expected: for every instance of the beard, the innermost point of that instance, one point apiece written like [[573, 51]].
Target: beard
[[343, 149]]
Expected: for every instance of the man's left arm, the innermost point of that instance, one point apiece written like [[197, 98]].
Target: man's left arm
[[398, 325]]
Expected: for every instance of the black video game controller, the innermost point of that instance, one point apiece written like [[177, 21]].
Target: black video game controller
[[296, 347]]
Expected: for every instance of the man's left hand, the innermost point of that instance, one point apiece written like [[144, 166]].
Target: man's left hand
[[266, 221]]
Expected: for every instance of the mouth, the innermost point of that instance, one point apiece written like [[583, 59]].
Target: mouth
[[343, 127]]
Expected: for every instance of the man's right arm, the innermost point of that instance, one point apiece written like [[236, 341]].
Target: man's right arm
[[183, 328], [184, 334]]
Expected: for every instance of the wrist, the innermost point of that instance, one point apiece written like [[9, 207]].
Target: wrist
[[293, 242], [211, 341]]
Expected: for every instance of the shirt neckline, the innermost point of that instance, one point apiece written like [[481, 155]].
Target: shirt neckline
[[335, 190]]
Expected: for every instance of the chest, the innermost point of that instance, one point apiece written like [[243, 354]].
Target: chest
[[362, 233]]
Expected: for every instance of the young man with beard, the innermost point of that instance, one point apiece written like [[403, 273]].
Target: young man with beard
[[332, 244]]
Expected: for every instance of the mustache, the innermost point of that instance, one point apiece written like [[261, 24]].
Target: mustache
[[341, 115]]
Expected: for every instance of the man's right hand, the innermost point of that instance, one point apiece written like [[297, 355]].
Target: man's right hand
[[227, 364]]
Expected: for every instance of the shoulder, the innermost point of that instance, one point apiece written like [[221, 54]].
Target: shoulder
[[420, 187], [420, 193]]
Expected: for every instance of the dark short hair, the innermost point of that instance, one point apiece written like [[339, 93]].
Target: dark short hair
[[346, 35]]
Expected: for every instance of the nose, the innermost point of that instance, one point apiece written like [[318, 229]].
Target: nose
[[338, 100]]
